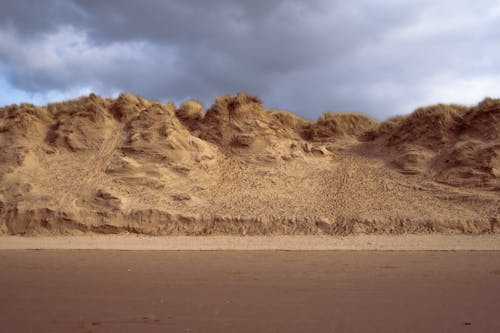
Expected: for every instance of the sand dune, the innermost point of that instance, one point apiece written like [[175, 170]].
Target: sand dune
[[129, 165]]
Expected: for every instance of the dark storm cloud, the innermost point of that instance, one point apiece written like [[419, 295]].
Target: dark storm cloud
[[378, 57], [33, 17]]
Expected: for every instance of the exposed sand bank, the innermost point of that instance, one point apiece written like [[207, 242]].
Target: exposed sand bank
[[129, 165], [364, 242]]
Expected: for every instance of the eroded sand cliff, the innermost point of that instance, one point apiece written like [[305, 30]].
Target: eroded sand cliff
[[132, 165]]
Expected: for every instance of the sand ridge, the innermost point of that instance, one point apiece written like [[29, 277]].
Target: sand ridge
[[129, 165]]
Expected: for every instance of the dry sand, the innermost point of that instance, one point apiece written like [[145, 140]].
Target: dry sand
[[129, 165], [432, 242], [272, 291]]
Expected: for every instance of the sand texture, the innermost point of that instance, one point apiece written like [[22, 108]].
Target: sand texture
[[129, 165], [430, 242], [274, 291]]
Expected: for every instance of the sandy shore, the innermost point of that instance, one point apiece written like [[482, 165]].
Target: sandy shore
[[364, 242], [249, 291]]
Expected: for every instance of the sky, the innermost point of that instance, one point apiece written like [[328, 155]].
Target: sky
[[379, 57]]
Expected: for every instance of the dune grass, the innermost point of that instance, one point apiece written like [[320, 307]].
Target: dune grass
[[190, 110], [332, 124], [288, 119]]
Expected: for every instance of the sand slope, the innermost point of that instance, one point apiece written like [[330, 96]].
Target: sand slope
[[138, 166]]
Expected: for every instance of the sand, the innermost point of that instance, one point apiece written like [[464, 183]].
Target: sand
[[432, 242], [245, 291], [128, 165], [130, 174]]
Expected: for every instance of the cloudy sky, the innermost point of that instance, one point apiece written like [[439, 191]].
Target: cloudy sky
[[380, 57]]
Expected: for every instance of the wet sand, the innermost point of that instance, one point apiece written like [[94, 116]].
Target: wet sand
[[249, 291]]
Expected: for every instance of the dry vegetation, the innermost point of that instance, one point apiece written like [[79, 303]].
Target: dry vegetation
[[139, 166], [289, 119], [331, 125], [190, 111]]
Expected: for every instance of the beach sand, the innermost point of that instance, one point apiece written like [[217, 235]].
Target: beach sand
[[421, 242], [249, 291]]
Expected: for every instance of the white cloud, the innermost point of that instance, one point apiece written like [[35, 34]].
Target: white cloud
[[11, 95], [461, 90], [67, 59]]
